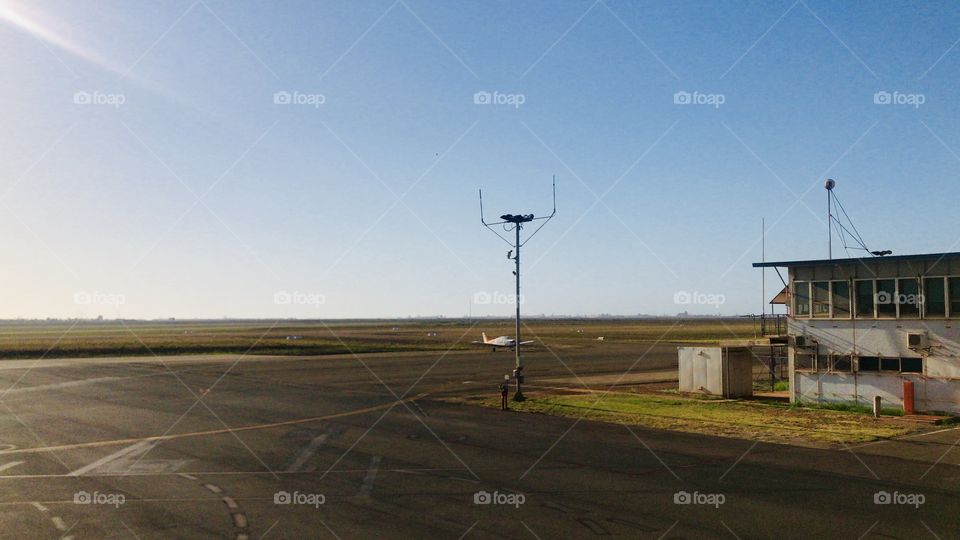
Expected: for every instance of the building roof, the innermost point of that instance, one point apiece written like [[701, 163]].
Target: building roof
[[859, 260]]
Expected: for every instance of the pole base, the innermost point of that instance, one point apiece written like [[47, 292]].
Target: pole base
[[519, 396]]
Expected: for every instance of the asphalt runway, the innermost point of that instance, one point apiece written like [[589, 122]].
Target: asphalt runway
[[361, 447]]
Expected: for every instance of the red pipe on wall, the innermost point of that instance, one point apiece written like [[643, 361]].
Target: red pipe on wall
[[908, 397]]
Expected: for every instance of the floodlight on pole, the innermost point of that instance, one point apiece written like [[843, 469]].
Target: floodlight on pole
[[515, 223]]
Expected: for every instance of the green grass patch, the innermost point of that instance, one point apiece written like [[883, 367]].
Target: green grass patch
[[728, 418]]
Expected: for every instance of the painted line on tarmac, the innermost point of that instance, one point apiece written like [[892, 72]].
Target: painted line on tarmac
[[10, 465], [57, 386], [367, 487], [133, 440], [241, 524], [139, 447], [308, 452]]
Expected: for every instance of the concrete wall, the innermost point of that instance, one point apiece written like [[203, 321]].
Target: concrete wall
[[936, 389]]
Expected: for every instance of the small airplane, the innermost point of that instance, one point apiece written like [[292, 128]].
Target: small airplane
[[502, 341]]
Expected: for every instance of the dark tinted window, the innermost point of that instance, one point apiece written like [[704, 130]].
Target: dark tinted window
[[889, 364], [842, 363], [909, 298], [934, 299], [864, 298], [954, 289], [821, 298], [911, 365], [801, 297], [886, 298], [803, 361], [841, 299], [868, 363]]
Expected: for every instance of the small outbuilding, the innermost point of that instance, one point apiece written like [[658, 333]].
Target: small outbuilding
[[718, 371]]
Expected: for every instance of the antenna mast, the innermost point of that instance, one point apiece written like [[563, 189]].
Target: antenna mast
[[515, 223]]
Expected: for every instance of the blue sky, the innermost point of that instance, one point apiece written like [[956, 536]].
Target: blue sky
[[148, 170]]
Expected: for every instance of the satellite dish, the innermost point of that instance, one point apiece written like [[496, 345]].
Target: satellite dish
[[829, 184]]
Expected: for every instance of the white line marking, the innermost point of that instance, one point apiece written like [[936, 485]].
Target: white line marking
[[10, 465], [59, 524], [308, 452], [188, 476], [371, 476], [39, 506], [142, 445], [231, 504], [56, 386], [240, 521], [213, 488]]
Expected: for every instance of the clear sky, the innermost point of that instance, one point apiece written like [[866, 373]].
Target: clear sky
[[150, 168]]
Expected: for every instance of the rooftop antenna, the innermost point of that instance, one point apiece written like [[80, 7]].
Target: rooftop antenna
[[830, 184], [515, 223], [833, 203]]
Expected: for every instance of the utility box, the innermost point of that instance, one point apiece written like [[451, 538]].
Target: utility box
[[716, 371]]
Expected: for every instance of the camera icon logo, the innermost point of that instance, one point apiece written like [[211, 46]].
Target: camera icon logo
[[481, 298], [282, 98], [482, 497], [82, 497], [883, 297], [882, 98], [682, 297], [682, 98], [282, 298], [282, 497], [82, 98], [682, 497], [482, 98], [882, 497]]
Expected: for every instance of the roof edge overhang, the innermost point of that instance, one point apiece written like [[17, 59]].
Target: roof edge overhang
[[859, 260]]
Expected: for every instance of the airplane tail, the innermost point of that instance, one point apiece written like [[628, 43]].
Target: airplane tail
[[484, 336]]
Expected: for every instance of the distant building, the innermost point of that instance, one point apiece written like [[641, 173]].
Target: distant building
[[861, 327]]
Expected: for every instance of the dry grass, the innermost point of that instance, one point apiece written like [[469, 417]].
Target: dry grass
[[32, 339], [752, 420]]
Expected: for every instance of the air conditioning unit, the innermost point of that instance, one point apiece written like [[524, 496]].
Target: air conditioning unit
[[800, 341], [917, 340]]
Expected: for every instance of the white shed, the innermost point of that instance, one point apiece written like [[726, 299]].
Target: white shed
[[717, 371]]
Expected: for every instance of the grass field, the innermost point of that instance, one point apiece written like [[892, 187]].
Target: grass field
[[52, 339], [753, 420]]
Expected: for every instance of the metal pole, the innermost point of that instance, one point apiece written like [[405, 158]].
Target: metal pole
[[519, 361], [829, 224]]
